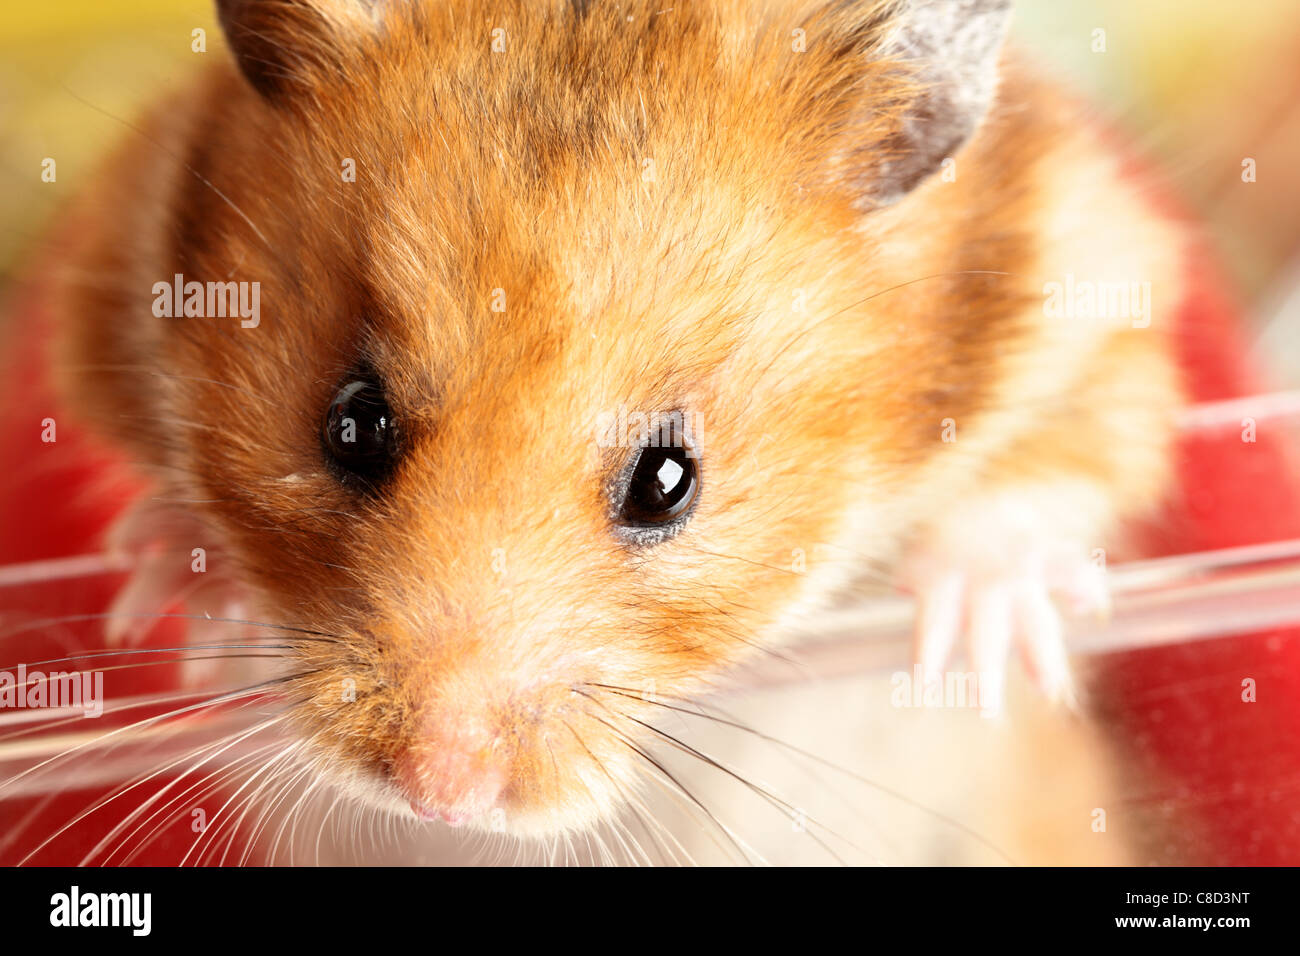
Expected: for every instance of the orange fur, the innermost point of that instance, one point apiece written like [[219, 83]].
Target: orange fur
[[526, 171]]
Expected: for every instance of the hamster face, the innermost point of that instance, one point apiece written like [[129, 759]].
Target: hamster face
[[496, 265]]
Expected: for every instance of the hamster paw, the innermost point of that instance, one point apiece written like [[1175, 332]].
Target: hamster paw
[[997, 598], [166, 582]]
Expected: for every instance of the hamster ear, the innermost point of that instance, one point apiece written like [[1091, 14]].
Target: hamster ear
[[948, 52], [287, 45]]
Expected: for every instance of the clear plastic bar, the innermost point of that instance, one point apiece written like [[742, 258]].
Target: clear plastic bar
[[1161, 601]]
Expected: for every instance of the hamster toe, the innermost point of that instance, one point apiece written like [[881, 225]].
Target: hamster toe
[[990, 604]]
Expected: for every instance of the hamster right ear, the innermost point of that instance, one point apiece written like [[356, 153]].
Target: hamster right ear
[[288, 46], [926, 73]]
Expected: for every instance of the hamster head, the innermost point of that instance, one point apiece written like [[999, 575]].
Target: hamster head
[[571, 352]]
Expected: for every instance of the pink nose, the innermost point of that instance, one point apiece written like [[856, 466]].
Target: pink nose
[[452, 773]]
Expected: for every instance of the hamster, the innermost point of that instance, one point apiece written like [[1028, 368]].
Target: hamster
[[545, 361]]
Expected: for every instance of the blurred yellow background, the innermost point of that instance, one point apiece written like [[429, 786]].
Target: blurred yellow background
[[1199, 84], [57, 57]]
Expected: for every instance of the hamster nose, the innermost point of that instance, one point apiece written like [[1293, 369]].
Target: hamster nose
[[452, 772]]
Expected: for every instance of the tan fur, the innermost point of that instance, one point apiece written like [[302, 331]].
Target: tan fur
[[524, 171]]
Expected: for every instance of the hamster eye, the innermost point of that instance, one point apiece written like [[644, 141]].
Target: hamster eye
[[359, 435], [662, 488]]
